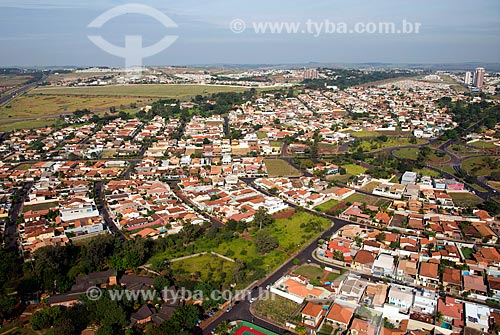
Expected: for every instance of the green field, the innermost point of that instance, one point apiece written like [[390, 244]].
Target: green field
[[27, 124], [484, 145], [465, 199], [290, 234], [407, 153], [427, 172], [368, 199], [13, 80], [275, 308], [310, 271], [157, 91], [39, 207], [326, 206], [38, 105], [204, 267], [280, 168], [480, 166], [354, 169], [374, 145]]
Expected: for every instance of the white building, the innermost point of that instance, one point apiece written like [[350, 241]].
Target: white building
[[477, 316]]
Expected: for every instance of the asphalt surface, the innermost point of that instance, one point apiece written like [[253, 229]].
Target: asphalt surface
[[15, 211]]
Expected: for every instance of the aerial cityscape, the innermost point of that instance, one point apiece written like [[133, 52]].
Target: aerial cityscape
[[249, 169]]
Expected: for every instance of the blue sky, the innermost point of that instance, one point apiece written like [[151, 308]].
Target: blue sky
[[54, 32]]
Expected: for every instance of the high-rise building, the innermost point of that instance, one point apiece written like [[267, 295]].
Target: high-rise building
[[311, 74], [479, 77], [468, 78]]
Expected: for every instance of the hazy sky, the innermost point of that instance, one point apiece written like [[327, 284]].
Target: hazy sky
[[54, 32]]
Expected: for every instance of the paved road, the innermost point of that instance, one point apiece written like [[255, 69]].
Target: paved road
[[99, 195], [15, 210]]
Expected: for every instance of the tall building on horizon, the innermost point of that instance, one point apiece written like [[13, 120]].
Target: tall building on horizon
[[468, 78], [479, 77], [311, 74]]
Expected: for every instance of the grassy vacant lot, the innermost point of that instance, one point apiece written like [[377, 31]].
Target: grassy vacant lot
[[427, 172], [27, 124], [354, 169], [204, 267], [324, 207], [39, 207], [480, 166], [38, 105], [374, 145], [280, 168], [275, 308], [494, 184], [289, 232], [310, 271], [465, 199], [370, 200], [12, 80], [467, 252], [407, 153], [159, 91], [484, 145], [363, 133]]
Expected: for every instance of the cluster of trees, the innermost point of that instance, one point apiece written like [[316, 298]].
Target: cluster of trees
[[346, 78]]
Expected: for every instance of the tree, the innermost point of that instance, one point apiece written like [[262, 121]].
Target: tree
[[223, 328], [265, 242], [300, 329], [380, 237], [261, 218]]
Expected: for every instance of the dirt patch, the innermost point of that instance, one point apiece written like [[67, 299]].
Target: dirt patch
[[340, 207], [284, 214]]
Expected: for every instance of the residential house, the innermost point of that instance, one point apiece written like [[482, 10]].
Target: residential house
[[340, 316]]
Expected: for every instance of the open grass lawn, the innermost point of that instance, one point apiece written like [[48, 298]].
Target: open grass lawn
[[204, 267], [275, 308], [39, 207], [435, 159], [427, 172], [374, 145], [280, 168], [275, 144], [28, 124], [326, 206], [23, 167], [370, 186], [7, 80], [354, 169], [467, 252], [36, 105], [480, 166], [465, 199], [484, 145], [310, 271], [363, 133], [494, 184], [370, 200], [261, 134], [407, 153], [159, 91], [290, 234]]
